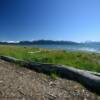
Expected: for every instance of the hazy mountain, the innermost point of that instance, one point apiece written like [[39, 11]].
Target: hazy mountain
[[43, 42]]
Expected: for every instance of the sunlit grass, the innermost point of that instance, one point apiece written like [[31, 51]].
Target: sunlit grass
[[81, 60]]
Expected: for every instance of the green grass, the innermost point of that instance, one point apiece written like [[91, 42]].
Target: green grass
[[81, 60]]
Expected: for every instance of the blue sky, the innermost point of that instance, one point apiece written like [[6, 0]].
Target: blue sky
[[72, 20]]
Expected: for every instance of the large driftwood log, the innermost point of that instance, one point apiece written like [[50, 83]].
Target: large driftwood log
[[89, 79]]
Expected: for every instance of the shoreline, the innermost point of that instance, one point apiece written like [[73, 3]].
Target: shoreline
[[17, 82], [91, 80], [81, 60], [82, 48]]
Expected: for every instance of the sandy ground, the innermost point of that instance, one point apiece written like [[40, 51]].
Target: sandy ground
[[17, 83]]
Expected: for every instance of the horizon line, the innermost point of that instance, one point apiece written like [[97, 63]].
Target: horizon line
[[17, 41]]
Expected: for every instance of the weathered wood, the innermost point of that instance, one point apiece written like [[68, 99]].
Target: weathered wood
[[89, 79]]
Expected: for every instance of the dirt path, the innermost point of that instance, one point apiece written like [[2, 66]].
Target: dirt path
[[18, 83]]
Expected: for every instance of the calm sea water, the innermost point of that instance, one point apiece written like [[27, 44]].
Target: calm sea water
[[80, 47]]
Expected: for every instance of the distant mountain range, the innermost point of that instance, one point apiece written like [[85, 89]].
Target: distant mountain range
[[92, 43], [49, 42], [40, 42]]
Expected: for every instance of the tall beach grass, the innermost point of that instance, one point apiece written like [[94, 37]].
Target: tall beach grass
[[81, 60]]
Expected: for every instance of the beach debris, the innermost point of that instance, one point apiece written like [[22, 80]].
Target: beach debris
[[34, 52]]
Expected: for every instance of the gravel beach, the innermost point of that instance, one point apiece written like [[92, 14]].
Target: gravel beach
[[17, 83]]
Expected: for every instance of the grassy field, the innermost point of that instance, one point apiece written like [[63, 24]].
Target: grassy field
[[81, 60]]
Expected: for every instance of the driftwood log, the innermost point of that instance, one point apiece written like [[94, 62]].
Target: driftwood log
[[89, 79]]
